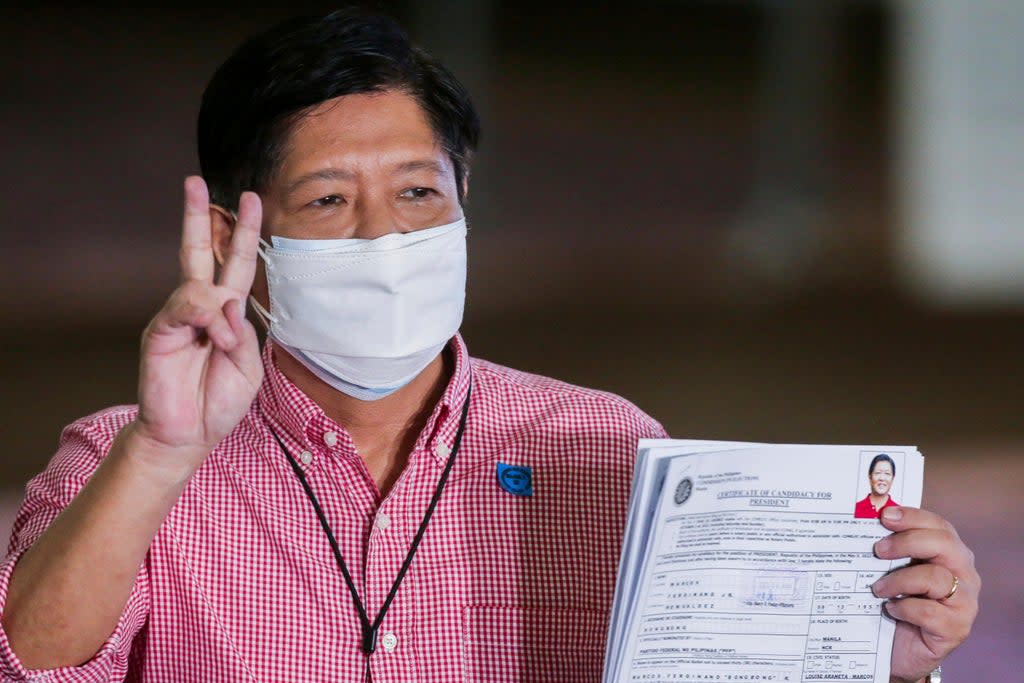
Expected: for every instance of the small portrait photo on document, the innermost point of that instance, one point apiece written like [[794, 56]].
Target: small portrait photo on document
[[879, 472]]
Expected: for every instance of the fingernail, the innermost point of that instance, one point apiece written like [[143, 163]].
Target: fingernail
[[881, 546], [877, 586], [892, 514]]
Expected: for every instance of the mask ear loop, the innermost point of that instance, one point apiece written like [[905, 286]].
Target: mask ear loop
[[263, 314]]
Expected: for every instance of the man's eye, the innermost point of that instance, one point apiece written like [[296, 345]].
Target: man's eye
[[417, 193], [329, 200]]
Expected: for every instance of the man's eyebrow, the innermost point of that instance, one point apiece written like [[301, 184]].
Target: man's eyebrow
[[322, 174], [418, 165], [342, 174]]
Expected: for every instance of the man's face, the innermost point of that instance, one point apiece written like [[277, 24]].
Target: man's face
[[359, 166], [881, 478]]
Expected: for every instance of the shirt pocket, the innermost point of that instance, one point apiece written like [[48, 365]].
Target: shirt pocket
[[532, 644]]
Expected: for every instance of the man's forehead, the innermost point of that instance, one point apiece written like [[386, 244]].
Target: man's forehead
[[364, 115], [389, 129]]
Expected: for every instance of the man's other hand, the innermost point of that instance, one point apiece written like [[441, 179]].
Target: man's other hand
[[200, 364], [934, 599]]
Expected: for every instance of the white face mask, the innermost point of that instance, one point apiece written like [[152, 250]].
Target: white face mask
[[367, 316]]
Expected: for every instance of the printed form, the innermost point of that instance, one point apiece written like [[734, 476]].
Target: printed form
[[747, 563]]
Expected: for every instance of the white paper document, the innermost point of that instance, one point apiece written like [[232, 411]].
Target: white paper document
[[746, 563]]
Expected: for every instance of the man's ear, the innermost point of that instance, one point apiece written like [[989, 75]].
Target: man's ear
[[222, 227], [465, 187]]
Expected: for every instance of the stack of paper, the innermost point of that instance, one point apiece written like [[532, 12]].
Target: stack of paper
[[746, 562]]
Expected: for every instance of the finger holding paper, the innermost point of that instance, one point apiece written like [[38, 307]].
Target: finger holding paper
[[934, 599]]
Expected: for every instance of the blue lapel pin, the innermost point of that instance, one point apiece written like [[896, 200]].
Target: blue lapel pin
[[515, 479]]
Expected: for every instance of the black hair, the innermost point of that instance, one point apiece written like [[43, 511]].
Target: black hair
[[881, 457], [266, 85]]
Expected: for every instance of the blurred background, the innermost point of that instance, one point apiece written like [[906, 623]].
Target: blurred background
[[756, 219]]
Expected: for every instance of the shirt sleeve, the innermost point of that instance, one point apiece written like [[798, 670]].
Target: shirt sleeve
[[83, 446]]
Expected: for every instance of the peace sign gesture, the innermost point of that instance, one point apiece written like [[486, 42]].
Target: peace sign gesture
[[200, 367]]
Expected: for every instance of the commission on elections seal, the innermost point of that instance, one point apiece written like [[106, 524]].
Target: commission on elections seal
[[683, 491]]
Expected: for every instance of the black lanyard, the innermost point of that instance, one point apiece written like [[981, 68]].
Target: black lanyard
[[370, 630]]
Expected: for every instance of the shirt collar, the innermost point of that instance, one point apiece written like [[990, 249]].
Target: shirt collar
[[438, 435], [289, 410], [284, 405]]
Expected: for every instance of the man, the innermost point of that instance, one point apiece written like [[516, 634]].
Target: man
[[881, 472], [361, 499]]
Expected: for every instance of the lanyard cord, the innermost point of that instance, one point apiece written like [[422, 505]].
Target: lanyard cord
[[370, 630]]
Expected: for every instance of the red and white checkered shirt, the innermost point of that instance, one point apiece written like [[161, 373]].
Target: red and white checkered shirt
[[240, 583]]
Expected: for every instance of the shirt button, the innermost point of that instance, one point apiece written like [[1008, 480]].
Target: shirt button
[[442, 449], [331, 438], [383, 521], [389, 641], [306, 457]]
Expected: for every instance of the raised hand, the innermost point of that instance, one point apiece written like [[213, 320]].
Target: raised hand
[[200, 365], [935, 598]]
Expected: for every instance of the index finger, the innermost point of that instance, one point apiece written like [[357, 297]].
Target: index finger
[[196, 254], [240, 262]]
